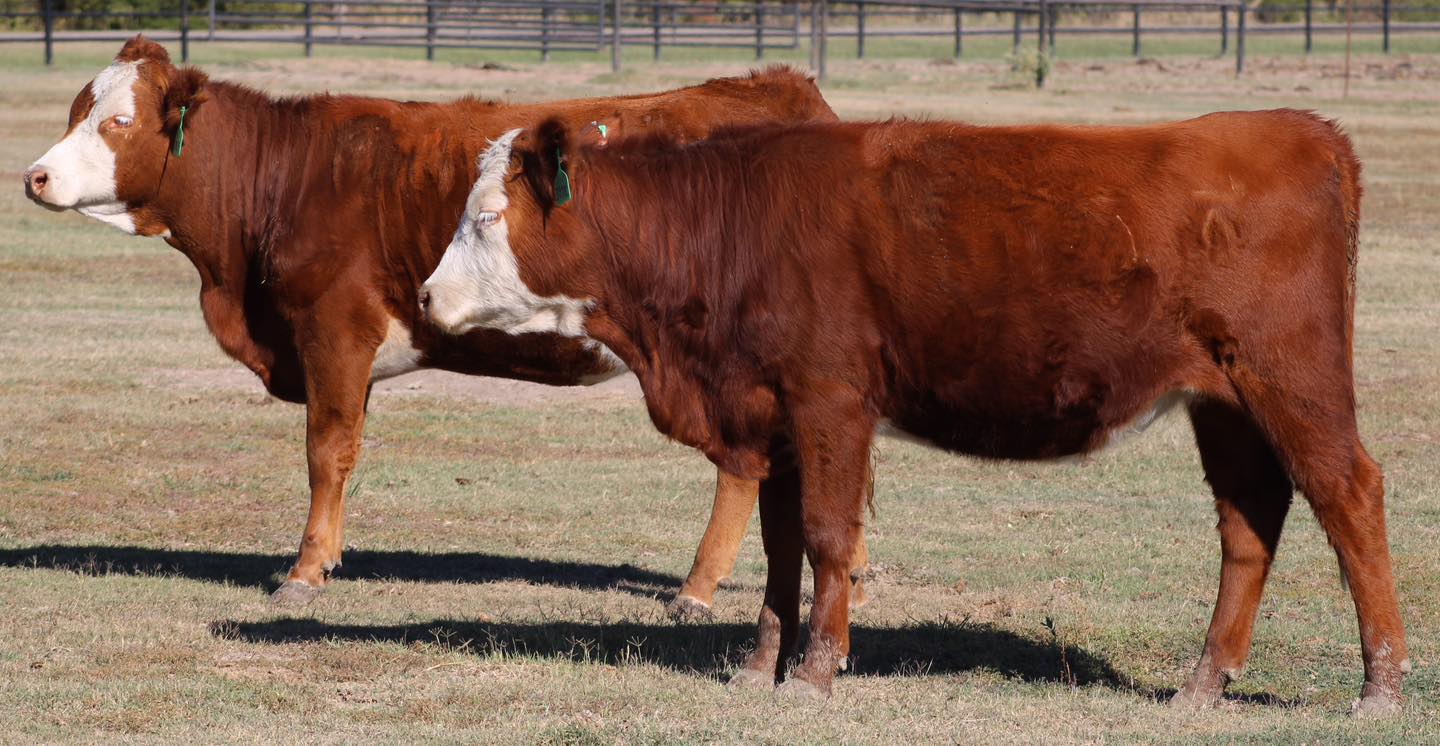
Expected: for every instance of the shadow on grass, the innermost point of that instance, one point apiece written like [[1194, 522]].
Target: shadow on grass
[[1259, 699], [264, 571], [714, 650]]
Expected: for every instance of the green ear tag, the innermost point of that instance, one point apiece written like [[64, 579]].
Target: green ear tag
[[603, 131], [180, 133], [562, 181]]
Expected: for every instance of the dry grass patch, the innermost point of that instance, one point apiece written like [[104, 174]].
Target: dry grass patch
[[511, 548]]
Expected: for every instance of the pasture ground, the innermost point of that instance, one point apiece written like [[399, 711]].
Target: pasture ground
[[511, 548]]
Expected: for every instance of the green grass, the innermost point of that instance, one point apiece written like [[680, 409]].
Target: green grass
[[143, 516]]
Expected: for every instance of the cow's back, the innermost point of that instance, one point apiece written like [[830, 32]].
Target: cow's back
[[775, 95], [1071, 257]]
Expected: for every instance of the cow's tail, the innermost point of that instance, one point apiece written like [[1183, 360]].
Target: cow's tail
[[1347, 166]]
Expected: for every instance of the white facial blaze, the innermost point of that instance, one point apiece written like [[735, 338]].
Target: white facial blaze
[[478, 281], [81, 167]]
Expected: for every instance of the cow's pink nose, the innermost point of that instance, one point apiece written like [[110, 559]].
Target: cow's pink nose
[[35, 181]]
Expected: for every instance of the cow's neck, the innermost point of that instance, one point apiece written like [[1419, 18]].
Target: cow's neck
[[221, 203]]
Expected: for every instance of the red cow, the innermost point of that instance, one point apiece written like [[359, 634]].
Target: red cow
[[1006, 292], [311, 221]]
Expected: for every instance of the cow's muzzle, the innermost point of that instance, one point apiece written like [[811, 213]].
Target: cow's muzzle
[[431, 310], [38, 186]]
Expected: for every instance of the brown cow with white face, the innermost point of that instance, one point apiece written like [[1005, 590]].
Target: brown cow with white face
[[114, 152], [313, 219], [1005, 292]]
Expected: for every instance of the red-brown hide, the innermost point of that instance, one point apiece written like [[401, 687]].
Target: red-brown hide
[[313, 219], [1006, 292]]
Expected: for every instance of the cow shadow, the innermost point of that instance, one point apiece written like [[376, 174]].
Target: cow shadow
[[265, 571], [714, 650]]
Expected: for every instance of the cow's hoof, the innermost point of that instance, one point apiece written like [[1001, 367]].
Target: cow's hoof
[[1196, 697], [1376, 704], [295, 593], [749, 678], [687, 609], [799, 690]]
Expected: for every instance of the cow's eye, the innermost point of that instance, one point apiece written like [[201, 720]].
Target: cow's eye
[[120, 121], [486, 219]]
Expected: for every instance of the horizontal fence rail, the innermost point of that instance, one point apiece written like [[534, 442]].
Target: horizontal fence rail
[[753, 25], [546, 26]]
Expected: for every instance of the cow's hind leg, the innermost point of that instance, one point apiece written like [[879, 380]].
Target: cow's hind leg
[[1310, 420], [859, 565], [1352, 513], [1252, 496], [779, 626]]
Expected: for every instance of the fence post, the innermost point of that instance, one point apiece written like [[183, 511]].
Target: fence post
[[430, 30], [959, 45], [1309, 25], [1015, 43], [1385, 24], [210, 35], [545, 11], [1135, 34], [655, 20], [814, 36], [309, 29], [615, 11], [1040, 20], [48, 11], [1224, 29], [1054, 21], [1240, 39], [184, 30], [1041, 61], [824, 37], [860, 31], [759, 30]]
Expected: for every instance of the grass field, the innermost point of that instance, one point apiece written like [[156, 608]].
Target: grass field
[[510, 556]]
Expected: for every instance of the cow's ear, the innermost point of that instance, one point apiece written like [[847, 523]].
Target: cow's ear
[[184, 93], [139, 48], [547, 165]]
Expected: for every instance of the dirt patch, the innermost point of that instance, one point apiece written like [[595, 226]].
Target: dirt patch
[[434, 383]]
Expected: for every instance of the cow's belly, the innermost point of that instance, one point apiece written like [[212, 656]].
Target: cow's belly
[[1044, 374], [1035, 424]]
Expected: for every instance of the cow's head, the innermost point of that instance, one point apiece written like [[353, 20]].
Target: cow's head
[[119, 138], [514, 263]]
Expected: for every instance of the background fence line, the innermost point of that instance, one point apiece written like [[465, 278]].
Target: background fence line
[[545, 26]]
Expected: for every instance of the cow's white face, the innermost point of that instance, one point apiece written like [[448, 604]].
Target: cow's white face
[[79, 172], [478, 281], [113, 160]]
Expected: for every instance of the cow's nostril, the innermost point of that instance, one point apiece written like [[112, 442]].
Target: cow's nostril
[[35, 181], [424, 300]]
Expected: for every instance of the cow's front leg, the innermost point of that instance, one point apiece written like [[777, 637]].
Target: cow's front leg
[[715, 558], [337, 380], [735, 499], [779, 626], [832, 440]]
